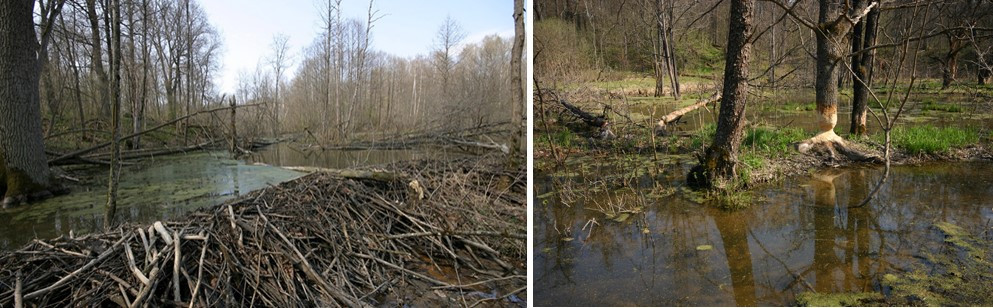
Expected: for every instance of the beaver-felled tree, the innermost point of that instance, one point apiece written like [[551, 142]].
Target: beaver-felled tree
[[720, 159], [24, 171], [834, 22]]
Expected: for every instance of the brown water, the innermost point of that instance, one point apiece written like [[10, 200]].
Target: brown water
[[800, 236]]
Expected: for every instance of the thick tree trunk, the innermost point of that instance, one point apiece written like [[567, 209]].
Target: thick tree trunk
[[864, 36], [951, 60], [834, 24], [23, 171], [721, 158], [517, 97]]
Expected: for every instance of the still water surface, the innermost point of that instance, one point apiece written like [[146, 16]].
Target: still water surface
[[801, 236]]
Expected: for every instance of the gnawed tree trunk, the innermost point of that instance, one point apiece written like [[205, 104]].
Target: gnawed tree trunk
[[864, 37], [833, 24], [721, 158], [24, 173]]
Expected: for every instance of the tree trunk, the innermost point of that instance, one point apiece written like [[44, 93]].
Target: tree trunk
[[96, 57], [517, 97], [721, 158], [951, 61], [985, 76], [115, 88], [864, 36], [23, 171]]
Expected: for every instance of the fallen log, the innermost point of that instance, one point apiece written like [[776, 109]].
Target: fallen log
[[589, 119], [88, 150], [382, 176], [675, 115], [152, 152]]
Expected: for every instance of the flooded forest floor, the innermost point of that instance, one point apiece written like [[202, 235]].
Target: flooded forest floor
[[616, 223], [418, 232]]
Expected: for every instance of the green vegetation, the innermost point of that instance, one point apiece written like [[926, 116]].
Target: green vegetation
[[703, 136], [772, 141], [927, 139], [813, 299]]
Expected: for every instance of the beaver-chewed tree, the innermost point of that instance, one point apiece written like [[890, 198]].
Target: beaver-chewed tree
[[24, 170], [719, 160]]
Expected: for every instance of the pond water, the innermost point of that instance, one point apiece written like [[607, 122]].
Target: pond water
[[167, 187], [290, 154], [800, 236], [155, 189]]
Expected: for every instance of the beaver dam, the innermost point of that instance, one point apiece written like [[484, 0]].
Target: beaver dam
[[422, 233]]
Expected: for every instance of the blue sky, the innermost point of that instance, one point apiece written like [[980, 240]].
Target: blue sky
[[407, 28]]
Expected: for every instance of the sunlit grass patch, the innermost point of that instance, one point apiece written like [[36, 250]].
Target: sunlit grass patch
[[930, 105], [772, 140], [932, 140]]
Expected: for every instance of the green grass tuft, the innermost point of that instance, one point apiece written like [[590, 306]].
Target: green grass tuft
[[772, 141], [932, 140]]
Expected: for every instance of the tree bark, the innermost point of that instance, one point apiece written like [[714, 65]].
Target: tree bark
[[864, 36], [833, 25], [721, 158], [115, 88], [24, 173], [517, 97]]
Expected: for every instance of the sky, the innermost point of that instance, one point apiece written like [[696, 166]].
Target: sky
[[407, 27]]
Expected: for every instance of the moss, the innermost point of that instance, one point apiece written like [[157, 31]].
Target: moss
[[814, 299]]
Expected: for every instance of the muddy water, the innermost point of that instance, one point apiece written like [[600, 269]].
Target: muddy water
[[798, 237], [155, 189], [289, 154]]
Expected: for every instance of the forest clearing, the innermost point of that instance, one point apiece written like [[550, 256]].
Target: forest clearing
[[141, 164], [743, 153]]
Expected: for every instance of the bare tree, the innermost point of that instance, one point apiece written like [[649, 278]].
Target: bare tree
[[449, 36], [721, 158], [279, 60], [115, 142]]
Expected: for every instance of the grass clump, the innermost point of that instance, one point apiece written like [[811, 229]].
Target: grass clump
[[927, 139], [930, 105], [703, 135], [772, 140]]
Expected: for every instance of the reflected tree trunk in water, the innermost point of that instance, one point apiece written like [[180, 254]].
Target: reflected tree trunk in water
[[734, 235], [825, 204]]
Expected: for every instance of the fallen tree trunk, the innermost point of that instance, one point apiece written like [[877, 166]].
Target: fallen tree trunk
[[152, 152], [589, 119], [382, 176], [675, 115], [88, 150]]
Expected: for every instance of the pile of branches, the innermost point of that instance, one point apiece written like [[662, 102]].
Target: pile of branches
[[321, 240]]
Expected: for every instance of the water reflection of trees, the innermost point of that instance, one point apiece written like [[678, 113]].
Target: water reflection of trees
[[803, 237]]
